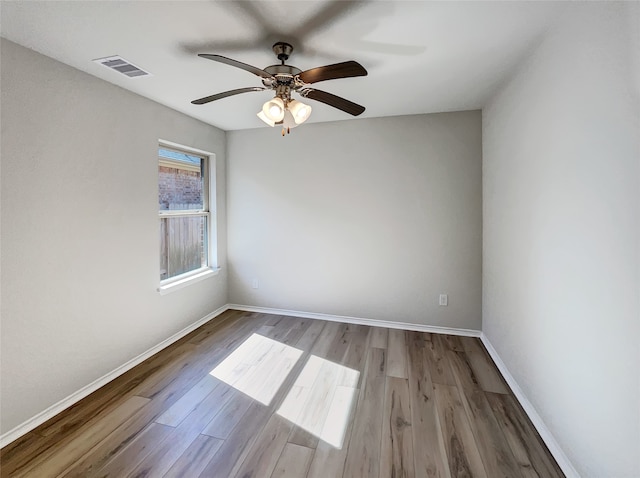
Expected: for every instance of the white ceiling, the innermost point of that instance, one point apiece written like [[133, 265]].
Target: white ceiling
[[422, 57]]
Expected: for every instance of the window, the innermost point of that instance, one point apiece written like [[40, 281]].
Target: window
[[185, 216]]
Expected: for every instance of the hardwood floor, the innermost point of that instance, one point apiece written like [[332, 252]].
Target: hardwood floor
[[257, 395]]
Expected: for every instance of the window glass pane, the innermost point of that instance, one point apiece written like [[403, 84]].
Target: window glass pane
[[182, 245], [180, 181], [179, 156]]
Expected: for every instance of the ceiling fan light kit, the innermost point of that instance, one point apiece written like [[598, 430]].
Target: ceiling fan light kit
[[285, 79], [289, 114]]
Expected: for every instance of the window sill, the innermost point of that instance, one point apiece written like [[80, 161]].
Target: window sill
[[192, 278]]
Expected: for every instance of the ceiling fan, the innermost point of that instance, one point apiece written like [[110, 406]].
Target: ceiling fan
[[287, 79]]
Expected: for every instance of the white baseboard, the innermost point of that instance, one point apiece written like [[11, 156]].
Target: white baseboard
[[360, 321], [562, 459], [65, 403]]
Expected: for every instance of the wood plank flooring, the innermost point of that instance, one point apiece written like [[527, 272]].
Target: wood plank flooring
[[257, 395]]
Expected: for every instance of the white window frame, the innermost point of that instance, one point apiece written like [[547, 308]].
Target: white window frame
[[209, 176]]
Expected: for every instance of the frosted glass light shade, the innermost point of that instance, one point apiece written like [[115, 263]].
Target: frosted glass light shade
[[274, 109], [289, 121], [264, 118], [299, 111]]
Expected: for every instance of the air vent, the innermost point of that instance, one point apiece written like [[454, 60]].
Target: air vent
[[122, 66]]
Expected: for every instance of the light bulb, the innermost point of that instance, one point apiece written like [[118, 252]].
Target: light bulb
[[275, 110]]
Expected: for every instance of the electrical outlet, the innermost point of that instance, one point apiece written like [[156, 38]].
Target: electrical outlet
[[444, 300], [255, 284]]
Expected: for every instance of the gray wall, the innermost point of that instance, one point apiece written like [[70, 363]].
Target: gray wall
[[561, 150], [369, 218], [80, 230]]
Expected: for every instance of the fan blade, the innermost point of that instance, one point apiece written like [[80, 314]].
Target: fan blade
[[346, 69], [333, 100], [208, 99], [238, 64]]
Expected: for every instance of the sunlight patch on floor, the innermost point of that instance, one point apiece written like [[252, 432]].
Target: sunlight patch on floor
[[321, 399], [258, 367]]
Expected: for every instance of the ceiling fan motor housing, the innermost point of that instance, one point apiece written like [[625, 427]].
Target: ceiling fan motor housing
[[285, 80]]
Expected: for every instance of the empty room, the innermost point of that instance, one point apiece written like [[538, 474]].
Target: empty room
[[319, 239]]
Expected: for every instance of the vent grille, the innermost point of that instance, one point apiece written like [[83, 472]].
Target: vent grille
[[123, 66]]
